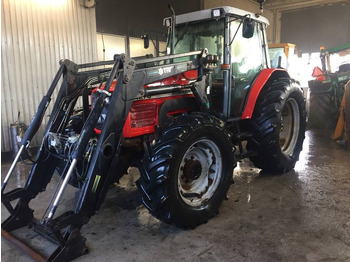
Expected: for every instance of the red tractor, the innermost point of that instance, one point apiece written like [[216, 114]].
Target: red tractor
[[183, 119]]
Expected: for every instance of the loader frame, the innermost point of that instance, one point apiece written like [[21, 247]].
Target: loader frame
[[64, 230]]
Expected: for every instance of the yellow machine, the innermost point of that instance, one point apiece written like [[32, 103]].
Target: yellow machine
[[287, 48], [342, 130], [281, 54]]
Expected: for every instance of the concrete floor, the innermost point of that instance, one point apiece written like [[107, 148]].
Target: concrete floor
[[303, 215]]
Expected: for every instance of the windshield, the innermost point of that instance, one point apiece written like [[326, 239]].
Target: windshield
[[197, 36], [246, 57], [339, 62]]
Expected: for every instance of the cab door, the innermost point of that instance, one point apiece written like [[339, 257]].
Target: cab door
[[248, 57]]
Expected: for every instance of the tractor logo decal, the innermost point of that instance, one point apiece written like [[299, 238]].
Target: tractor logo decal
[[165, 70], [160, 71]]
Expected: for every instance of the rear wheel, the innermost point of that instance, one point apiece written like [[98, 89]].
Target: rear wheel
[[188, 171], [278, 124], [323, 111]]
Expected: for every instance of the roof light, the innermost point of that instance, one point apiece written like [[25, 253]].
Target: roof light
[[215, 13]]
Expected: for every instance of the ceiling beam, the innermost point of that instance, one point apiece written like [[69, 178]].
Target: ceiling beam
[[299, 4]]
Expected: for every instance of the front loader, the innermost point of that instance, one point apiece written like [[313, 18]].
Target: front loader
[[183, 119]]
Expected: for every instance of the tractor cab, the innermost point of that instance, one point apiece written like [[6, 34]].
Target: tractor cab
[[237, 37]]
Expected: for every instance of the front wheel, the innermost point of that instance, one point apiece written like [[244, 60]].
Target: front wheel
[[278, 126], [188, 171]]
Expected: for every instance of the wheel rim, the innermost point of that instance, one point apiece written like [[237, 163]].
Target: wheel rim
[[200, 172], [290, 124]]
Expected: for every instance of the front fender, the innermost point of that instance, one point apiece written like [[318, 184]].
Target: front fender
[[266, 76]]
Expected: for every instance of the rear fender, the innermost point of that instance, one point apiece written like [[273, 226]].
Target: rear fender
[[266, 77], [318, 87]]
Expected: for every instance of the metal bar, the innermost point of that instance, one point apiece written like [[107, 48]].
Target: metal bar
[[104, 170], [55, 80], [226, 73], [14, 163], [113, 73], [25, 248], [162, 58], [87, 65], [84, 137], [62, 188], [86, 107], [95, 72], [141, 61], [94, 115], [173, 23], [38, 117], [152, 91]]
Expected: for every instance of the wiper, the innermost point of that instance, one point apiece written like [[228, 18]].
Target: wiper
[[182, 35], [239, 26]]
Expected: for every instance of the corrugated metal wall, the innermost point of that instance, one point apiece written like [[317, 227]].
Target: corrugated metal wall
[[35, 35]]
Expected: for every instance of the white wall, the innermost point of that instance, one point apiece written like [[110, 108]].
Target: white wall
[[137, 48], [116, 44], [109, 45], [35, 35]]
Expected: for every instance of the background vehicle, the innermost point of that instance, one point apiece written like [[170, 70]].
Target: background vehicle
[[184, 119], [281, 53], [342, 131], [327, 90]]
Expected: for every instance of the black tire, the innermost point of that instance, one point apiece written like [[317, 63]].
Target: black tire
[[278, 126], [188, 171], [323, 112]]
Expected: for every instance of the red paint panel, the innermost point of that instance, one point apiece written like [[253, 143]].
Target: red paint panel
[[143, 109], [181, 79], [255, 91], [130, 130]]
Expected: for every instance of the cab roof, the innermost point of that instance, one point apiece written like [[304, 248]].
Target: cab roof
[[224, 10]]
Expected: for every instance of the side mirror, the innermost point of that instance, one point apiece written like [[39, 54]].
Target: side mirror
[[248, 28], [145, 41], [167, 22]]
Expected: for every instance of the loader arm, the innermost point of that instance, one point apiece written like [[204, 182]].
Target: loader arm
[[104, 161]]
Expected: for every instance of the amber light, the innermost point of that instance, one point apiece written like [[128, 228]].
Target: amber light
[[225, 67], [142, 115]]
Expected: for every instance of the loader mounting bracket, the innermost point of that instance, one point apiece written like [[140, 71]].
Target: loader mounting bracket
[[73, 248]]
